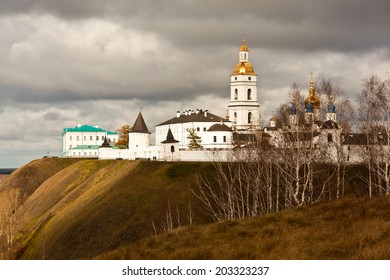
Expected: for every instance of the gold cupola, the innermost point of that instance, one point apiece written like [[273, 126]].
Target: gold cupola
[[243, 67], [312, 98]]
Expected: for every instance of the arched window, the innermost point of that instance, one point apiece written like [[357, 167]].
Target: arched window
[[235, 117], [250, 117], [235, 94], [249, 94]]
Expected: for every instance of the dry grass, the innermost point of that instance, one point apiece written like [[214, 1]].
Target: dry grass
[[345, 229], [91, 207], [83, 209]]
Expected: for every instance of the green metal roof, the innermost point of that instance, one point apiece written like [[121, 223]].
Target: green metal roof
[[86, 147], [88, 128], [89, 147]]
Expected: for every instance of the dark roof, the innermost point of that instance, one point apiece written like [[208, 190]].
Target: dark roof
[[219, 127], [170, 139], [139, 125], [195, 116], [330, 125], [105, 143]]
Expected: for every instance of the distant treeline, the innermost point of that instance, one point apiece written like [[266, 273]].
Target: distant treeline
[[7, 171]]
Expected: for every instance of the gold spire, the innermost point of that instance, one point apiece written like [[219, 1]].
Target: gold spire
[[244, 47]]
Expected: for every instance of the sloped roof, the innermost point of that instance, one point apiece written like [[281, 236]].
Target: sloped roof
[[201, 116], [139, 125], [219, 127], [105, 144], [170, 139], [86, 147], [87, 128]]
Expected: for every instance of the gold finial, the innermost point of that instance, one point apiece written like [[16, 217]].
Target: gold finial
[[244, 47]]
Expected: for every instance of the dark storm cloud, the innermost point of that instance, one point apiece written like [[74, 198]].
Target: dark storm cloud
[[301, 24], [51, 116]]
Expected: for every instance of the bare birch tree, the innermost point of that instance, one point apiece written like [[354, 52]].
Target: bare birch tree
[[10, 201]]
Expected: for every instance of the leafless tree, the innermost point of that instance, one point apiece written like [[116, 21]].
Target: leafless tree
[[10, 201], [374, 122]]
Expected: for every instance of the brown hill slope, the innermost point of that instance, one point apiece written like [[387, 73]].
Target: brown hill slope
[[343, 229], [29, 177], [91, 207]]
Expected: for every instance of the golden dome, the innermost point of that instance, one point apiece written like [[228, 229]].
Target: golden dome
[[244, 47], [312, 98], [243, 68]]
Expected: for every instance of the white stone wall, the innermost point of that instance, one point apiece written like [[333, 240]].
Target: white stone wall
[[180, 132]]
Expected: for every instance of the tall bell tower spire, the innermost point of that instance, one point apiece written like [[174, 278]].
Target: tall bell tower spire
[[243, 107]]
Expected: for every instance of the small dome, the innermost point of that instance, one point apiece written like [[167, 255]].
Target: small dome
[[309, 107], [293, 110], [331, 108], [219, 127], [243, 68]]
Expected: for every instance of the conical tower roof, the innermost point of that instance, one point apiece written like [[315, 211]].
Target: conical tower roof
[[170, 138], [139, 125], [105, 143]]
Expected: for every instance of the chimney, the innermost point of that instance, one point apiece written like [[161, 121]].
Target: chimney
[[189, 112], [177, 114], [205, 113], [197, 111]]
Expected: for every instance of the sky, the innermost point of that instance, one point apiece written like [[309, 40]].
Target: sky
[[64, 63]]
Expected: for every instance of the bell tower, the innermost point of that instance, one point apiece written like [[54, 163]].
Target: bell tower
[[243, 107]]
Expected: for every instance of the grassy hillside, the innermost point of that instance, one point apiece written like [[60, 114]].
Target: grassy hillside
[[29, 177], [85, 209], [344, 229], [90, 207]]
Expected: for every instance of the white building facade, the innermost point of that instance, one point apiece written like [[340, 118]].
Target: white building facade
[[201, 121], [84, 140]]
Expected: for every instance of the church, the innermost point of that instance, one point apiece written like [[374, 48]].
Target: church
[[200, 135], [216, 135]]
